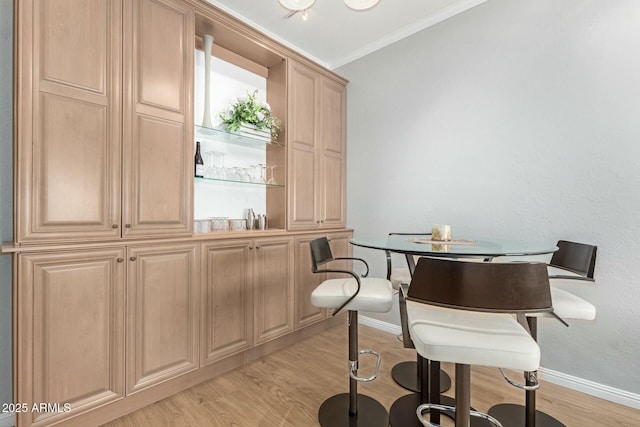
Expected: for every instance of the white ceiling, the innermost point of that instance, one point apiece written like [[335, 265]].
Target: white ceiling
[[334, 34]]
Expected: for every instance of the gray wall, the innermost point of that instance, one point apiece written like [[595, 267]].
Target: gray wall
[[520, 120], [6, 200]]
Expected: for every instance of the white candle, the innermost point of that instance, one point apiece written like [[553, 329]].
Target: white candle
[[441, 232]]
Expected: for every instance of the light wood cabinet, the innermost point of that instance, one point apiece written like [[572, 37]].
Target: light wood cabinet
[[273, 292], [247, 294], [158, 118], [226, 299], [68, 83], [115, 304], [162, 313], [70, 331], [104, 119], [306, 281], [317, 141]]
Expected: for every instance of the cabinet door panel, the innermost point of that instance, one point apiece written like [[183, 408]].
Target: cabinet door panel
[[303, 185], [158, 118], [157, 197], [333, 106], [69, 125], [273, 289], [303, 109], [161, 32], [162, 318], [226, 300], [72, 161], [304, 93], [70, 342], [76, 54], [306, 281], [332, 193]]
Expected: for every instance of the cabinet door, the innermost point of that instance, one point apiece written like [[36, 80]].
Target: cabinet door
[[226, 299], [162, 313], [68, 120], [70, 331], [273, 288], [304, 95], [306, 281], [332, 184], [158, 118]]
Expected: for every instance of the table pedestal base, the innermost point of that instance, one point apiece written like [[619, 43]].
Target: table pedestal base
[[403, 412], [511, 415], [405, 374], [334, 412]]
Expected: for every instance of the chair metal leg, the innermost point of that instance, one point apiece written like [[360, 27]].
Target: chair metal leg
[[352, 409], [465, 416], [511, 415], [463, 395]]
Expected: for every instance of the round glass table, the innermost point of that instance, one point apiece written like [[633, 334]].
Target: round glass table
[[409, 374]]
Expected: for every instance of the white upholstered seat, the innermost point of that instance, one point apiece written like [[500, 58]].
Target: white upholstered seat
[[568, 306], [399, 276], [471, 338], [462, 312], [573, 264], [352, 293], [375, 294]]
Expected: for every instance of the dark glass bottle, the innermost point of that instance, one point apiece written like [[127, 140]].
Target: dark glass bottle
[[199, 162]]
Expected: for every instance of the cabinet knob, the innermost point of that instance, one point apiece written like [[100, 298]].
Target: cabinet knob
[[120, 259], [127, 226], [114, 226], [132, 258], [250, 247]]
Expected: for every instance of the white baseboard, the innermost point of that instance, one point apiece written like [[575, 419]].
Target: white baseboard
[[380, 324], [601, 391], [6, 420]]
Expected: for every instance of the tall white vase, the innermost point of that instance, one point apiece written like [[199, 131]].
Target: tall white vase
[[208, 44]]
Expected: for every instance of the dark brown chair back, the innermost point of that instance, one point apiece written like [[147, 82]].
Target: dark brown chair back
[[579, 258], [320, 253], [482, 286]]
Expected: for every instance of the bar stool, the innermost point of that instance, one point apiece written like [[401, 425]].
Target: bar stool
[[461, 312], [573, 263], [407, 374], [353, 293]]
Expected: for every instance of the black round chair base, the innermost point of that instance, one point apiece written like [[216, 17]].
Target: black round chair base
[[511, 415], [334, 412], [405, 374], [403, 412]]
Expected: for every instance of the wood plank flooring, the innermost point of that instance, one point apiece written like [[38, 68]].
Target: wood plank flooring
[[286, 388]]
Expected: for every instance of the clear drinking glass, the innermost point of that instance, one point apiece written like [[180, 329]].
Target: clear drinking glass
[[271, 180]]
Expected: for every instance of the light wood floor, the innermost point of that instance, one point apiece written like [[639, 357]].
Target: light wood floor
[[287, 387]]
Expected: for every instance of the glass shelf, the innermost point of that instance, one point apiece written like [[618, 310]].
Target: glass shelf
[[240, 182], [232, 138]]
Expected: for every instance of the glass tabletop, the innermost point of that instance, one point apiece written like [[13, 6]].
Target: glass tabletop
[[469, 247]]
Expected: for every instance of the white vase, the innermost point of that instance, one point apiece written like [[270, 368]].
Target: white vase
[[208, 44]]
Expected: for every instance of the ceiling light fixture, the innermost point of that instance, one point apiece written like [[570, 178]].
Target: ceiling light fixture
[[296, 6], [361, 4]]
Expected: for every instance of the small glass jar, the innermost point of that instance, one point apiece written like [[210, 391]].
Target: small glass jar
[[205, 226], [219, 224], [239, 224]]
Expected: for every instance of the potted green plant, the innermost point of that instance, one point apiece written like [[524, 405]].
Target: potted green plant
[[251, 118]]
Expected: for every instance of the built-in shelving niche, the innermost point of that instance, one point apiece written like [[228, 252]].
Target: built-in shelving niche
[[240, 66]]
